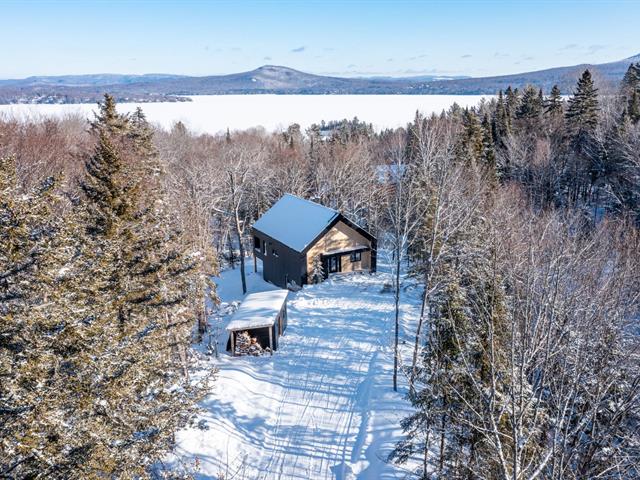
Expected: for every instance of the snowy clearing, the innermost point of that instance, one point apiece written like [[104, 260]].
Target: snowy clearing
[[322, 407], [216, 113]]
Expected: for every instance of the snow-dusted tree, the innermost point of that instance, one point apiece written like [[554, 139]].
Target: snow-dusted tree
[[317, 270], [30, 396], [402, 216]]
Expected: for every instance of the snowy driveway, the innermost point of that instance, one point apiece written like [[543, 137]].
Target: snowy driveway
[[321, 408]]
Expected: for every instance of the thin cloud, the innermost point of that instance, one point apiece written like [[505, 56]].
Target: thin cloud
[[389, 59], [267, 58], [466, 55], [591, 49], [298, 50], [570, 46]]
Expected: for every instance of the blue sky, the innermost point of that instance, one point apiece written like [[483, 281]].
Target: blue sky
[[350, 38]]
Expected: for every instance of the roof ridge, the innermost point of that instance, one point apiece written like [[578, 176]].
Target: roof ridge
[[309, 201]]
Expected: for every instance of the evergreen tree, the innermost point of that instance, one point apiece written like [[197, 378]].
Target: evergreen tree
[[583, 107], [471, 147], [553, 104], [530, 106], [488, 149], [317, 271], [631, 80], [512, 102], [633, 108], [108, 119], [501, 124], [102, 303]]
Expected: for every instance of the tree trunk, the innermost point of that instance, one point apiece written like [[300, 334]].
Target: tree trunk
[[397, 323], [241, 247]]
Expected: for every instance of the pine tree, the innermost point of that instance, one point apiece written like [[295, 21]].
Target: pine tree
[[553, 104]]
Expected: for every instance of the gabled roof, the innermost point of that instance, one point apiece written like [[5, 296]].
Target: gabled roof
[[295, 222], [258, 310]]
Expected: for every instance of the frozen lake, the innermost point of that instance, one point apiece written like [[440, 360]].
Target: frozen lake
[[215, 113]]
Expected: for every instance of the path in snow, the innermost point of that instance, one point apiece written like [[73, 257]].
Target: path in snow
[[321, 407]]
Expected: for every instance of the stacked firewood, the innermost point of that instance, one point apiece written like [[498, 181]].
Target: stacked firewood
[[247, 345]]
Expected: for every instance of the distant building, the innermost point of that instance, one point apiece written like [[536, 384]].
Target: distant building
[[294, 232]]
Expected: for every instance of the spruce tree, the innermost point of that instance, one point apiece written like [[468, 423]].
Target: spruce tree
[[471, 146], [553, 104], [38, 315], [501, 124], [530, 106], [633, 107], [317, 275], [488, 149], [108, 119], [101, 303], [631, 80], [583, 107]]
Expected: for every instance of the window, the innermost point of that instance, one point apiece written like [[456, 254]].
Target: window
[[356, 256], [256, 243], [264, 248], [333, 264], [274, 252]]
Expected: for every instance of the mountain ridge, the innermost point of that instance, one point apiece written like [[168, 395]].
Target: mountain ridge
[[276, 79]]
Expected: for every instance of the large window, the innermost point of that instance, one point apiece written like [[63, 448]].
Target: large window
[[256, 243], [356, 256]]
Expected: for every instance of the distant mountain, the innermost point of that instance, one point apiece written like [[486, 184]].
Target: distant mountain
[[282, 80]]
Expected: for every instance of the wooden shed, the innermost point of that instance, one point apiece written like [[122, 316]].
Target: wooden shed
[[263, 315], [294, 232]]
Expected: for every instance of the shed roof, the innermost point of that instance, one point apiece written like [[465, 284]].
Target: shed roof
[[295, 222], [258, 310]]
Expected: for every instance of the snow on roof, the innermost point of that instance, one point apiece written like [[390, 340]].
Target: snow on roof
[[258, 310], [295, 222]]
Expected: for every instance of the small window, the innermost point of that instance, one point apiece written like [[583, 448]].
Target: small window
[[274, 252], [356, 256], [256, 243], [264, 248]]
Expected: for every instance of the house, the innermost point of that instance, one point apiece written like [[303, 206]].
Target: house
[[294, 232], [263, 315]]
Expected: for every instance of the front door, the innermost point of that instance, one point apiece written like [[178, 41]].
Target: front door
[[332, 264]]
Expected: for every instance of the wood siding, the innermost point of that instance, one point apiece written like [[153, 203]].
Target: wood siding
[[340, 237]]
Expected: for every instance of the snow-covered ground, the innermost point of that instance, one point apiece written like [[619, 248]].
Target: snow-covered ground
[[322, 407], [216, 113]]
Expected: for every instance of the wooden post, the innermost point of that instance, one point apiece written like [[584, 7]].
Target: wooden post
[[271, 339], [233, 343], [255, 262]]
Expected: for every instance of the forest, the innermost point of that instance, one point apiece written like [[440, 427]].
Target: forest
[[518, 219]]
